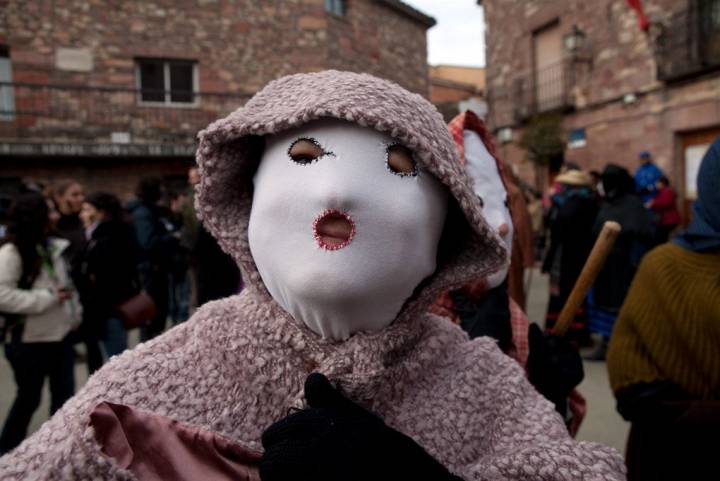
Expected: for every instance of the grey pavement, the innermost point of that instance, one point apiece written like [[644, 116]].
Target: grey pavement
[[602, 423]]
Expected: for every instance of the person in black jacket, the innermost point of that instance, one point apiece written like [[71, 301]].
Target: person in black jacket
[[108, 270], [68, 197], [156, 247], [622, 205], [570, 220]]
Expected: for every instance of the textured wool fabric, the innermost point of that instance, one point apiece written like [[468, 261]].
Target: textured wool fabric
[[239, 363], [669, 325], [397, 223]]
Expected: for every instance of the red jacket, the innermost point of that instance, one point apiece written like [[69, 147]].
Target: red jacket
[[664, 205]]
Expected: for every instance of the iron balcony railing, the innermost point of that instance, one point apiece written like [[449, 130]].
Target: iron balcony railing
[[542, 90], [91, 114], [687, 43]]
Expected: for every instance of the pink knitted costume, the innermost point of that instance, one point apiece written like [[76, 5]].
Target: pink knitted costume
[[240, 363]]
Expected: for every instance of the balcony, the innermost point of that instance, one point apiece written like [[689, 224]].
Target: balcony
[[82, 120], [687, 43], [543, 90]]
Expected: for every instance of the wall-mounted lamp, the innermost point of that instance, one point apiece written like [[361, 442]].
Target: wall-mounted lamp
[[574, 40], [577, 45]]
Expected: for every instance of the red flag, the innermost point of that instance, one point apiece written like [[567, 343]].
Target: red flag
[[642, 19]]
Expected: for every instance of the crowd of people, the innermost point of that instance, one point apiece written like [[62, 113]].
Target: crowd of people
[[69, 260], [578, 205]]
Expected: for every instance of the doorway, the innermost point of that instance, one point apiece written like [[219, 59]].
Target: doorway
[[693, 147]]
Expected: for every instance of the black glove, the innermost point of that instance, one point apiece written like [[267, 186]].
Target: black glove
[[554, 367], [488, 316], [338, 440]]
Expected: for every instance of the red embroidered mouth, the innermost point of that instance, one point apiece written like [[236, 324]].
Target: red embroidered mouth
[[333, 229]]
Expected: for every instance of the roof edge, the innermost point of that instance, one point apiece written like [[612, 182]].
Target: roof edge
[[468, 87], [410, 12]]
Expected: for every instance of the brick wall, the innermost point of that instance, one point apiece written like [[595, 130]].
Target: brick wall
[[446, 92], [239, 46], [374, 38], [622, 63], [97, 174]]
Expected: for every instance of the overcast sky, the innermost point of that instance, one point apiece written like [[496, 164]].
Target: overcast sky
[[458, 37]]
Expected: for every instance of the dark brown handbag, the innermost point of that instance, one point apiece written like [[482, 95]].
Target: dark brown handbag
[[137, 311]]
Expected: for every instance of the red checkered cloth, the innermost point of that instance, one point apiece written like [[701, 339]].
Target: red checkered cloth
[[520, 324], [469, 121]]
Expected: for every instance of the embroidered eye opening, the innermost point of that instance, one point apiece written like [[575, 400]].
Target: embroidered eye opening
[[400, 161], [304, 151]]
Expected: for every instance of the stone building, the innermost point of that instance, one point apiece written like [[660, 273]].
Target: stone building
[[454, 89], [104, 91], [616, 88]]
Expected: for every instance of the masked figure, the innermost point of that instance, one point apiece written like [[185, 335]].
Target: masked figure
[[341, 199]]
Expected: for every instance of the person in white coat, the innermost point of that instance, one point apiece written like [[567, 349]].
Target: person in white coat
[[39, 308]]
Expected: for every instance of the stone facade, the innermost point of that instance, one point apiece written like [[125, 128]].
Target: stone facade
[[79, 59], [616, 87]]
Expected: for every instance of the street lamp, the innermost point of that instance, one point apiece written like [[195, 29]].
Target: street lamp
[[574, 40], [577, 45]]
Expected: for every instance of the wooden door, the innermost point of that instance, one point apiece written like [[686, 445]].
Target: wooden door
[[694, 145]]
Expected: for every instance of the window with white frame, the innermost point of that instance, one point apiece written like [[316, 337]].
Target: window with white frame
[[7, 95], [336, 7], [167, 81]]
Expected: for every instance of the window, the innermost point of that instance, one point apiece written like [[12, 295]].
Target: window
[[549, 73], [688, 41], [7, 96], [336, 7], [709, 42], [167, 81]]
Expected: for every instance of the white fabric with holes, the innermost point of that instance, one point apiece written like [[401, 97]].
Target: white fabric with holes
[[487, 183], [398, 221]]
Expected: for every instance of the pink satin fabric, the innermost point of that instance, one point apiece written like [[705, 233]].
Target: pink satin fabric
[[155, 448]]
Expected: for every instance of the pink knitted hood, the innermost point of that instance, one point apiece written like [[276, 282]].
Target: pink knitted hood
[[230, 150]]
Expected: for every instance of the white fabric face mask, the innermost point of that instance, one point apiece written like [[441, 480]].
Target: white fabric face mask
[[339, 238], [487, 183]]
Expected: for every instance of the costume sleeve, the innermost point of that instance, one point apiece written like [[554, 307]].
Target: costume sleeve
[[65, 447], [528, 439]]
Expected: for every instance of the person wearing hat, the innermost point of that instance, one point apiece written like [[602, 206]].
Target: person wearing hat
[[341, 198], [647, 176], [570, 220]]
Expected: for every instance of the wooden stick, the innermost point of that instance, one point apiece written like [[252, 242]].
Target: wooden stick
[[590, 271]]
